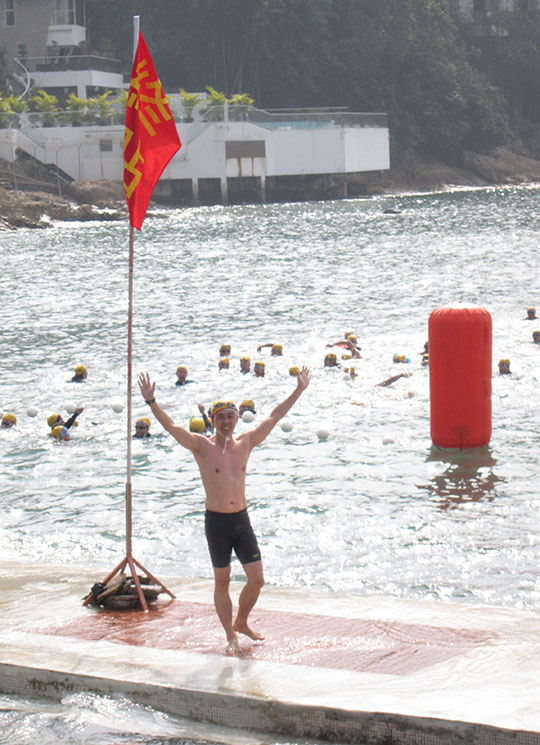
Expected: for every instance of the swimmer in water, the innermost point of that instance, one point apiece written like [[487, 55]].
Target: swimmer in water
[[224, 350], [259, 369], [222, 461], [330, 360], [81, 373], [181, 375], [61, 433], [350, 343], [208, 426], [223, 363], [531, 314], [142, 428], [276, 349], [245, 365], [389, 381], [57, 420], [247, 405], [8, 421], [536, 337], [504, 367]]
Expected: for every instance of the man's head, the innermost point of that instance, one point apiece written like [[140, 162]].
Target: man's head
[[224, 350], [223, 363], [181, 373], [531, 313], [258, 369], [504, 366], [224, 416], [276, 350], [330, 360], [245, 364], [536, 337]]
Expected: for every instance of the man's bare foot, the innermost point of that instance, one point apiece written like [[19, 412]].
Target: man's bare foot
[[233, 647], [243, 628]]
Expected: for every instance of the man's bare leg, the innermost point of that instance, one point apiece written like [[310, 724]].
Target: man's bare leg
[[223, 605], [248, 598]]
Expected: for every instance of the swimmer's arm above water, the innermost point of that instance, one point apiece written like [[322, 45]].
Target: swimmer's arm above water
[[261, 432], [187, 439]]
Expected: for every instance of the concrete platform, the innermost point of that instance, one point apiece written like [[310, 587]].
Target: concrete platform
[[334, 667]]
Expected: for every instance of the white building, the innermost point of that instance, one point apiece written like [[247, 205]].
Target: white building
[[43, 41]]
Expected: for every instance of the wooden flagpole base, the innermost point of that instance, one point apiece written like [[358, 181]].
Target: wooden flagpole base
[[132, 563]]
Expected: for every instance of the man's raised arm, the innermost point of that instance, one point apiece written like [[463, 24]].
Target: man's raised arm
[[181, 435], [259, 434]]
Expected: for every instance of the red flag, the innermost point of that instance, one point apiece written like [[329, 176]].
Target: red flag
[[150, 139]]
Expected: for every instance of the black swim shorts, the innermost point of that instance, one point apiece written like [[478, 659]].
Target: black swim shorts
[[226, 531]]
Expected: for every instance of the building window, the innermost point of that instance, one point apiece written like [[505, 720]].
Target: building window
[[105, 146], [10, 12], [63, 13]]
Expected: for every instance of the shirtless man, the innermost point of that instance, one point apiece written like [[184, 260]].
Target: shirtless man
[[222, 461]]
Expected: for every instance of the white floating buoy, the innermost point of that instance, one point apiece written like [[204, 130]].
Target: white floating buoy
[[70, 408], [286, 426], [117, 406], [31, 411], [323, 434], [248, 416]]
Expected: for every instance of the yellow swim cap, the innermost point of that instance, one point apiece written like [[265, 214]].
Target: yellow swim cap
[[504, 362], [330, 357], [248, 404], [181, 368], [346, 356], [348, 333], [245, 359], [9, 418], [80, 370], [276, 348], [398, 358], [218, 406], [56, 432], [225, 349], [224, 361], [261, 364], [196, 424], [294, 370], [52, 419]]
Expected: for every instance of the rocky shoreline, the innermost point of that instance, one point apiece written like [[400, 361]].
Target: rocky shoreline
[[105, 201]]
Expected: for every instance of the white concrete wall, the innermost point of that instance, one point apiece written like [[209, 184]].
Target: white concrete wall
[[289, 152]]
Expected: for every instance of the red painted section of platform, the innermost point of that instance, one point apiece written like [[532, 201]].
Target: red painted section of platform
[[290, 638]]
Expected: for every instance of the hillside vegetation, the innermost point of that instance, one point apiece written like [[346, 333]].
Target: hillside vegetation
[[445, 93]]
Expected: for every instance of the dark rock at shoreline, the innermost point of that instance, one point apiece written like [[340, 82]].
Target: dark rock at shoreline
[[105, 200], [36, 209]]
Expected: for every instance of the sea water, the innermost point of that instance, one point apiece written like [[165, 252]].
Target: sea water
[[371, 509]]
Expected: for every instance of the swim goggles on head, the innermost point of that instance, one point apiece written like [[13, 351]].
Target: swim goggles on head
[[220, 405]]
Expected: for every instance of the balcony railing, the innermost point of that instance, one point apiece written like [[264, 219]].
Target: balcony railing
[[56, 63]]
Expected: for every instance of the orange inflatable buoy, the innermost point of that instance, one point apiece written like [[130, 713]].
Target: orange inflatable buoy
[[460, 376]]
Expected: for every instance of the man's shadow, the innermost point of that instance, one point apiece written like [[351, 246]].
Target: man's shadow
[[469, 477]]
